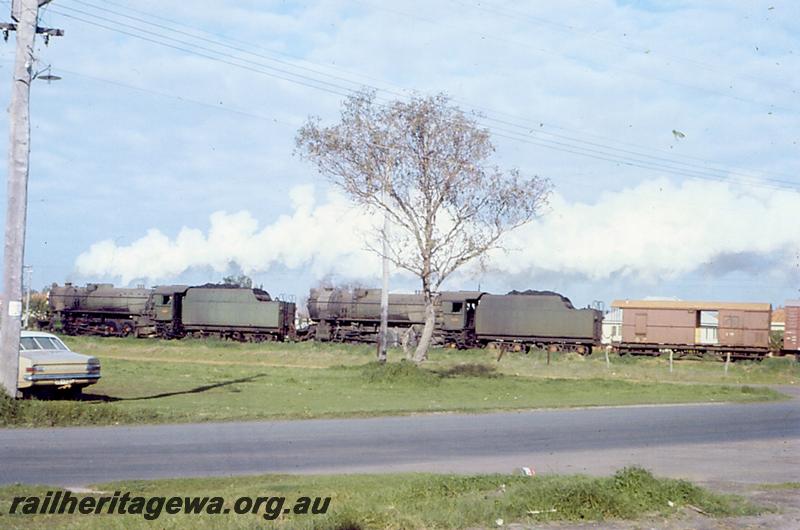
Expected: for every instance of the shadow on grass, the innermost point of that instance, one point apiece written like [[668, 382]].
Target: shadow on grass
[[196, 390]]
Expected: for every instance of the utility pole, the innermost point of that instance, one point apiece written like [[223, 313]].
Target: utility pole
[[384, 329], [26, 14]]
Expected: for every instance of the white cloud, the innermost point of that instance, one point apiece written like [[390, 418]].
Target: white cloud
[[655, 230], [325, 237]]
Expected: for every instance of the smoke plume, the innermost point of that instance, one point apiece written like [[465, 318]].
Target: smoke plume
[[657, 229]]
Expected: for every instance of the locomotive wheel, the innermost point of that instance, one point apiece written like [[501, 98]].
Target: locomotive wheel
[[109, 328], [581, 349], [126, 330]]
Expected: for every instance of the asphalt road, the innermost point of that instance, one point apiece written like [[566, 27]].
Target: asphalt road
[[750, 443]]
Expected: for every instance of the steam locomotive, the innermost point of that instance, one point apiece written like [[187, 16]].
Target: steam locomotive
[[172, 311], [465, 319]]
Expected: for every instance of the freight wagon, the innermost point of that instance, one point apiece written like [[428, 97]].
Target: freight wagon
[[791, 332], [651, 327]]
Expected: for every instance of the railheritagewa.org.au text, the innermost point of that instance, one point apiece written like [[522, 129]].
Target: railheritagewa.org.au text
[[153, 507]]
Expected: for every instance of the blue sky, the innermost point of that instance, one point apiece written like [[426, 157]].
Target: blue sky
[[156, 163]]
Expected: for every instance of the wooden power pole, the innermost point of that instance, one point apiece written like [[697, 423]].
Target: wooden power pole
[[383, 338], [26, 14]]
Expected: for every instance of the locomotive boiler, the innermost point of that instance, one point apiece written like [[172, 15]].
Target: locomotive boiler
[[354, 315]]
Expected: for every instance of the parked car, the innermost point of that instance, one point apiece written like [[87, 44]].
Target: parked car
[[46, 365]]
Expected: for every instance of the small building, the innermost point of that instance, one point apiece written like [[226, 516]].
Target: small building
[[778, 320]]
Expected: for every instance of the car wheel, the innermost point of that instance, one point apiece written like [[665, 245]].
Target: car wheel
[[42, 392], [74, 392]]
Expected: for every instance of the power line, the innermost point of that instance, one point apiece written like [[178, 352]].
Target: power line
[[510, 134], [224, 57], [182, 99], [567, 28], [503, 133], [256, 45], [595, 150], [649, 77], [202, 39], [487, 115]]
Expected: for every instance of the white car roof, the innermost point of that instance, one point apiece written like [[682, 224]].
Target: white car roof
[[36, 334]]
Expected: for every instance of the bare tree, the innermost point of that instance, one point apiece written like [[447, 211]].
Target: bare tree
[[424, 163]]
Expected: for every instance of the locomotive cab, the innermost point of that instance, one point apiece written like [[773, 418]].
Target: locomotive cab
[[165, 310], [458, 316]]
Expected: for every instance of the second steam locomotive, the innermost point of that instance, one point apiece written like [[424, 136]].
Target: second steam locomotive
[[465, 319]]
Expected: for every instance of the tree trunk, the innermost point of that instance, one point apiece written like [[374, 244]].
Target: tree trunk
[[421, 354]]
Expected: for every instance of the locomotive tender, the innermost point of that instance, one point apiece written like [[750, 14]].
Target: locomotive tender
[[214, 310], [171, 311]]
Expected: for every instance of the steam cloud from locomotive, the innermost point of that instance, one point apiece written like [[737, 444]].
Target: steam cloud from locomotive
[[656, 229]]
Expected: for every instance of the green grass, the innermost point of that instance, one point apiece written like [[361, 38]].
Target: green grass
[[782, 486], [174, 390], [408, 501], [562, 366]]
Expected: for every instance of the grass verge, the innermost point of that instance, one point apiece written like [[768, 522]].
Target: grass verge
[[782, 486], [161, 392], [406, 501], [784, 371]]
